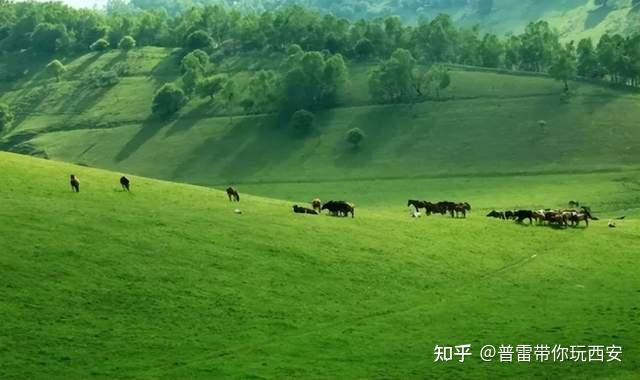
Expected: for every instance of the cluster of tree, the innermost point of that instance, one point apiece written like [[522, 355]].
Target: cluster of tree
[[56, 28], [400, 79]]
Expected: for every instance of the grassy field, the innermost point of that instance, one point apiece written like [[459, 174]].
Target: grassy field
[[167, 282]]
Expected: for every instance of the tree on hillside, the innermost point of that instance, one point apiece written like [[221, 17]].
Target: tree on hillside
[[49, 38], [127, 43], [563, 66], [435, 80], [194, 66], [490, 51], [199, 40], [394, 80], [262, 91], [227, 96], [211, 86], [6, 116], [56, 68], [99, 45], [588, 65], [168, 100], [355, 137], [364, 48], [302, 121], [537, 46]]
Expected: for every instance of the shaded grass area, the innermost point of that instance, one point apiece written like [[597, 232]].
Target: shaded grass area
[[168, 282]]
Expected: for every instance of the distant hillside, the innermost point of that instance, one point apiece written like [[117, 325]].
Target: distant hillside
[[486, 123]]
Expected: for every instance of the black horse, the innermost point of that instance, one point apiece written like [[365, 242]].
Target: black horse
[[496, 214], [233, 194], [340, 208], [125, 183]]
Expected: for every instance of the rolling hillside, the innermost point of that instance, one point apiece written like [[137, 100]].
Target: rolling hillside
[[486, 124], [168, 282]]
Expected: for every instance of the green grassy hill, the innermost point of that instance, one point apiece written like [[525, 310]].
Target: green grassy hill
[[486, 124], [168, 282]]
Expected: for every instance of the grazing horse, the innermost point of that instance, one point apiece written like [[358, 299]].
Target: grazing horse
[[233, 194], [583, 215], [560, 218], [316, 204], [339, 208], [521, 215], [303, 210], [75, 183], [124, 182], [496, 214], [460, 208], [417, 204], [509, 215]]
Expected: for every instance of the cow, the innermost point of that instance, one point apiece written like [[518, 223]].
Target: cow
[[303, 210], [125, 183], [75, 183], [521, 215]]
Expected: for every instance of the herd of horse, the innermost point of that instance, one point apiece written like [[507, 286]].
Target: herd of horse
[[552, 217], [572, 216], [455, 209]]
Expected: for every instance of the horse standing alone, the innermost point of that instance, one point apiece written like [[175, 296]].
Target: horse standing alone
[[233, 194], [75, 184], [125, 183]]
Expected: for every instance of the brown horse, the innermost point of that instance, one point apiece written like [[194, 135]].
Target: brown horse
[[233, 194], [316, 204], [460, 208], [75, 183]]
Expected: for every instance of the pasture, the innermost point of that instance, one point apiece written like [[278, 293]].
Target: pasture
[[167, 282]]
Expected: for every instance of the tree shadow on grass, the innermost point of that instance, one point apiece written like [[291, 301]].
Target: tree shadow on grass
[[250, 145], [149, 129]]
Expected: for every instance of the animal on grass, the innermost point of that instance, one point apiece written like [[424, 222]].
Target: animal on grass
[[125, 183], [316, 204], [339, 208], [496, 214], [303, 210], [233, 194], [75, 183]]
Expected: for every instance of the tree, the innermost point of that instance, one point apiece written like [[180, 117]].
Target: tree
[[56, 68], [227, 96], [355, 137], [127, 43], [199, 40], [588, 65], [302, 121], [491, 51], [211, 86], [6, 116], [394, 80], [195, 60], [435, 80], [563, 66], [49, 38], [168, 100], [364, 48], [99, 45]]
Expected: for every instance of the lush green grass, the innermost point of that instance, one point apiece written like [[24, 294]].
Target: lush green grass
[[168, 282]]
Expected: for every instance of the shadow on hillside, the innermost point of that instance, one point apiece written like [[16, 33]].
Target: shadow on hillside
[[85, 64], [188, 120], [149, 129], [250, 145], [596, 16], [166, 70], [85, 97]]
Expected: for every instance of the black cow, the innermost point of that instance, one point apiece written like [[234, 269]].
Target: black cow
[[303, 210]]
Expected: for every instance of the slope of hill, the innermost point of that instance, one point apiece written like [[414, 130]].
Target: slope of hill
[[486, 124], [168, 282]]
